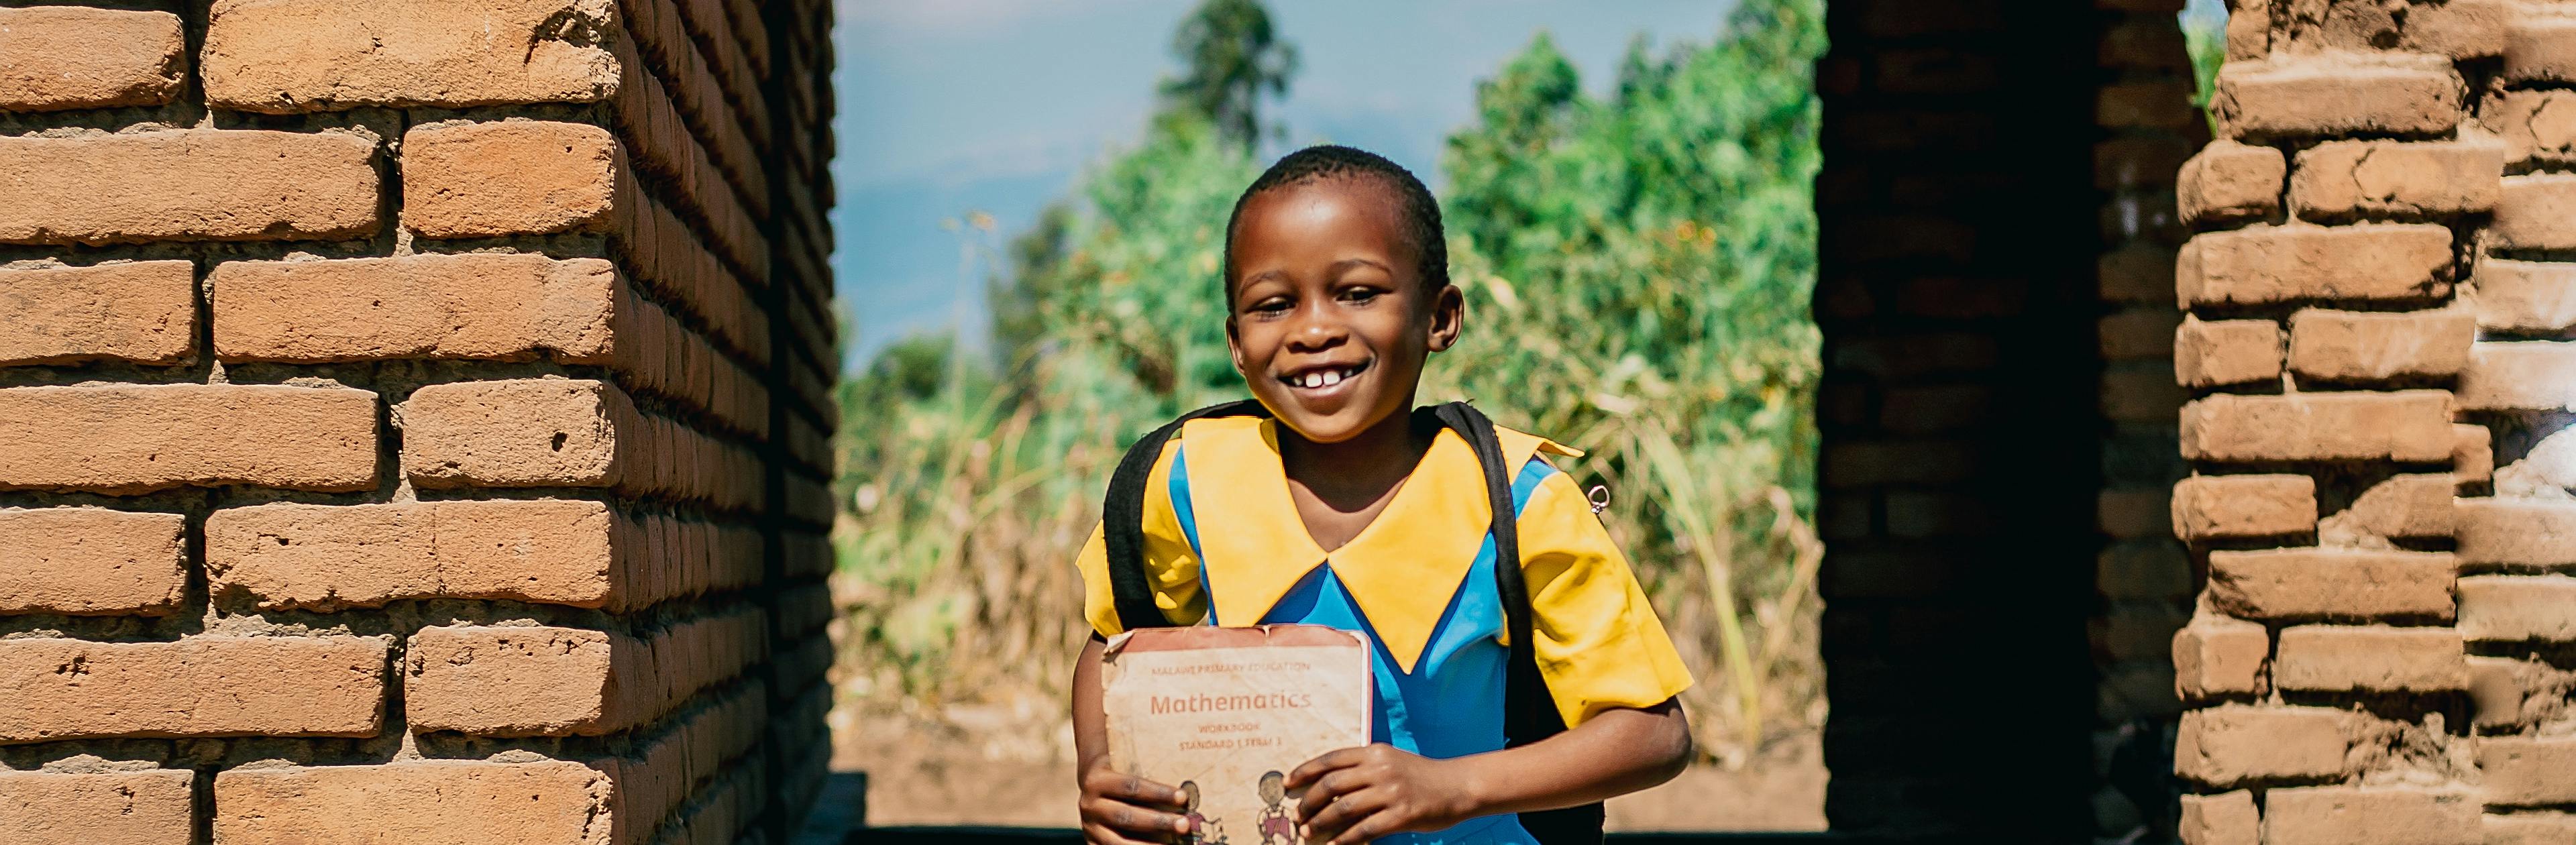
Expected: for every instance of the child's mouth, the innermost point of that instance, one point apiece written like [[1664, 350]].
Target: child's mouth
[[1323, 380]]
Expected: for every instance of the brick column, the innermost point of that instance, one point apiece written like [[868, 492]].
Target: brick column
[[1959, 472], [2141, 575], [411, 421], [2371, 312]]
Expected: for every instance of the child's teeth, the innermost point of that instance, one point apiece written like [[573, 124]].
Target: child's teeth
[[1332, 378], [1314, 379]]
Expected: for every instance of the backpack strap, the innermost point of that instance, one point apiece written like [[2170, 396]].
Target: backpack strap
[[1529, 710], [1122, 516]]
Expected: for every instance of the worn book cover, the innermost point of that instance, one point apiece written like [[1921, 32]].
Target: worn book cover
[[1225, 713]]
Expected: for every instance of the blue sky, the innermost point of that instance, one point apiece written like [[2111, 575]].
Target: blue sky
[[952, 106]]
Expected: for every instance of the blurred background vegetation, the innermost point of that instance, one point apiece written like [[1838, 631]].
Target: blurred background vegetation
[[1637, 269]]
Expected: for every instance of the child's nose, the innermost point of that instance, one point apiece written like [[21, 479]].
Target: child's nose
[[1316, 331]]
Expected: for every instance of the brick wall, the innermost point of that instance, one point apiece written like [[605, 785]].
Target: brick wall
[[412, 420], [2377, 340], [1960, 476]]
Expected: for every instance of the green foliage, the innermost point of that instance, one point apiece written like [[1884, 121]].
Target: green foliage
[[2206, 40], [1637, 270], [1233, 57]]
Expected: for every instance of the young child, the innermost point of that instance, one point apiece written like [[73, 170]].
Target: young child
[[1347, 510]]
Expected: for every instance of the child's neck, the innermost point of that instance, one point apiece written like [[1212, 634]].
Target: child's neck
[[1358, 474]]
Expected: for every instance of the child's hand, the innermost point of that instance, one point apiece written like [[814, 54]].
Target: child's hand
[[1358, 794], [1120, 809]]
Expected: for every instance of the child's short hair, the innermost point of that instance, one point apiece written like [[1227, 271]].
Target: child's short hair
[[1323, 161]]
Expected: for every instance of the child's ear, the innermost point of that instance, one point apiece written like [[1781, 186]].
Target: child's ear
[[1448, 317]]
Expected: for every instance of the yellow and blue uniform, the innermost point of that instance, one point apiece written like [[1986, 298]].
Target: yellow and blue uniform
[[1224, 545]]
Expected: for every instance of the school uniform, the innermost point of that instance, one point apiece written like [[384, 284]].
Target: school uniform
[[1224, 546]]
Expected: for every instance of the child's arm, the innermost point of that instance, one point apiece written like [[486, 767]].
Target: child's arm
[[1117, 809], [1358, 794]]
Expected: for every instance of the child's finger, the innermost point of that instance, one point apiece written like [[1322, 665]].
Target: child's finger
[[1133, 789], [1339, 816], [1134, 819], [1101, 834], [1333, 787], [1307, 773]]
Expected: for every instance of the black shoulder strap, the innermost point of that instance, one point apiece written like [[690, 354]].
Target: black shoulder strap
[[1529, 711], [1122, 516]]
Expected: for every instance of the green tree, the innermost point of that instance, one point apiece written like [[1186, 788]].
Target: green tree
[[1232, 57]]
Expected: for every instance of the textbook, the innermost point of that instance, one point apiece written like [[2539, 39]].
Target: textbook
[[1224, 714]]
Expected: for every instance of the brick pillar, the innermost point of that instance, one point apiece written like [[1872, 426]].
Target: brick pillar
[[2141, 575], [411, 421], [2375, 323], [1959, 473]]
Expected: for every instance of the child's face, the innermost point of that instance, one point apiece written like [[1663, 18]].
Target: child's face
[[1327, 319]]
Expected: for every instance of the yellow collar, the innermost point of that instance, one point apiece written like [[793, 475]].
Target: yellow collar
[[1402, 569]]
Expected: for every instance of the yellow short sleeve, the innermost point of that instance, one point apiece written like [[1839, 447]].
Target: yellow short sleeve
[[1598, 642], [1171, 567]]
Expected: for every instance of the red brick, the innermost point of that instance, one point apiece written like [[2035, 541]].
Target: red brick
[[2374, 658], [2223, 819], [2528, 771], [2348, 346], [421, 802], [2138, 273], [2234, 744], [2459, 29], [2407, 425], [530, 432], [2149, 105], [187, 184], [2538, 211], [2231, 181], [2514, 608], [2525, 296], [516, 177], [2139, 333], [2319, 583], [2249, 32], [2380, 815], [91, 561], [2535, 125], [2519, 376], [2216, 655], [72, 57], [2472, 454], [2495, 691], [2517, 532], [2140, 632], [135, 438], [2530, 829], [198, 686], [2540, 45], [2407, 505], [2211, 506], [145, 312], [2267, 264], [331, 557], [2336, 94], [2209, 353], [529, 681], [495, 306], [2141, 392], [2142, 569], [511, 681], [152, 807], [284, 56], [2342, 179]]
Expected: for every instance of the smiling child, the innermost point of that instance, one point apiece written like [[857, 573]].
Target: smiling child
[[1347, 507]]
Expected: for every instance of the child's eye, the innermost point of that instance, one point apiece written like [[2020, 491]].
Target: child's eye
[[1360, 295], [1270, 306]]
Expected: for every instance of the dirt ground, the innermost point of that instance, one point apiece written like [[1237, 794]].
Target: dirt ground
[[942, 775]]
